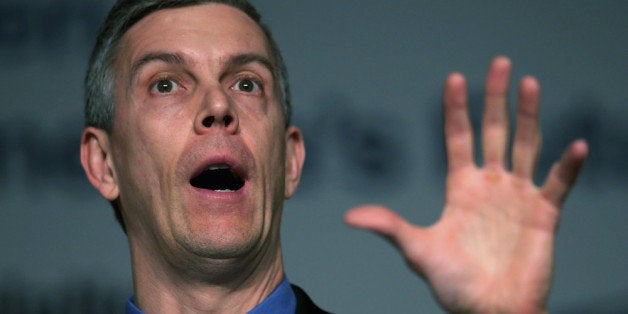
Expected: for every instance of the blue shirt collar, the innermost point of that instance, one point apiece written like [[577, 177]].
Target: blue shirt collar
[[281, 301]]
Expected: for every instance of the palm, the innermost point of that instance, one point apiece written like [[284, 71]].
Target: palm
[[500, 237], [492, 248]]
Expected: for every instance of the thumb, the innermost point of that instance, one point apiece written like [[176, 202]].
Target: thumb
[[385, 223]]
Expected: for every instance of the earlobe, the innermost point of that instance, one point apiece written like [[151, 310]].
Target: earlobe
[[295, 156], [97, 163]]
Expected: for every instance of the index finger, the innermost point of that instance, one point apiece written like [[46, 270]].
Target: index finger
[[458, 130]]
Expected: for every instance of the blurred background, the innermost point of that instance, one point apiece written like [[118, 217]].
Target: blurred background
[[366, 79]]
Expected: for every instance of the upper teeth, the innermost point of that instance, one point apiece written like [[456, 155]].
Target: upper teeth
[[218, 167]]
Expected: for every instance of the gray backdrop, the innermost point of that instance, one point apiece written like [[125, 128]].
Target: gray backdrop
[[366, 78]]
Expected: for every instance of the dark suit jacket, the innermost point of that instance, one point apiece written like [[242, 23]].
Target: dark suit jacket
[[305, 304]]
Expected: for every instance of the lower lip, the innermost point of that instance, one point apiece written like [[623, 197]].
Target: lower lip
[[224, 196]]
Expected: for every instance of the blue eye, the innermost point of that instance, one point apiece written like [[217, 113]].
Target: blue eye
[[165, 86], [247, 86]]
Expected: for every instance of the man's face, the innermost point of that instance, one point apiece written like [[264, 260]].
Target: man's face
[[201, 155]]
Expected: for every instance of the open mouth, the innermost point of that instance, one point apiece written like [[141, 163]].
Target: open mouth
[[218, 178]]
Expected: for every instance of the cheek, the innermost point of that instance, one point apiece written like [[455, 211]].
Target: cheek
[[134, 170], [146, 160], [275, 157], [146, 188]]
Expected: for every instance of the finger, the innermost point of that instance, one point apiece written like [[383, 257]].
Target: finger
[[383, 222], [527, 140], [458, 131], [495, 119], [564, 173]]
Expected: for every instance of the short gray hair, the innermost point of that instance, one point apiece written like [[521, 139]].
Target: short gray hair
[[99, 81]]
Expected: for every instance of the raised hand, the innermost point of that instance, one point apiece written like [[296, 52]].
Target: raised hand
[[492, 249]]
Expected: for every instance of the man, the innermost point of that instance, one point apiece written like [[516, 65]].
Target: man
[[188, 136]]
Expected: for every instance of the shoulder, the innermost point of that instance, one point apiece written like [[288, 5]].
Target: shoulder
[[304, 303]]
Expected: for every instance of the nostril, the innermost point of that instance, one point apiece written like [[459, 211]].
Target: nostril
[[228, 120], [208, 121]]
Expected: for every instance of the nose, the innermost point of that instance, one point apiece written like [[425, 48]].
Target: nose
[[216, 112]]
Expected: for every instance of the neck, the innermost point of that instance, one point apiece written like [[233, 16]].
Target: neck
[[207, 286]]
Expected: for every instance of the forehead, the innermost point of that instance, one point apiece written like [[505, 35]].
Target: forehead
[[207, 30]]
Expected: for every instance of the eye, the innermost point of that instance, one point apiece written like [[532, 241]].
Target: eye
[[247, 86], [165, 86]]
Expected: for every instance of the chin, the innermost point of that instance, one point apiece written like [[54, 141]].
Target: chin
[[219, 239]]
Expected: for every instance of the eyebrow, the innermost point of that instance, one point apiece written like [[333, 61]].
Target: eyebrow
[[169, 58], [247, 58], [176, 59]]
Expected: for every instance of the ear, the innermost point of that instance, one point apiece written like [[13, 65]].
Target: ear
[[97, 162], [295, 156]]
